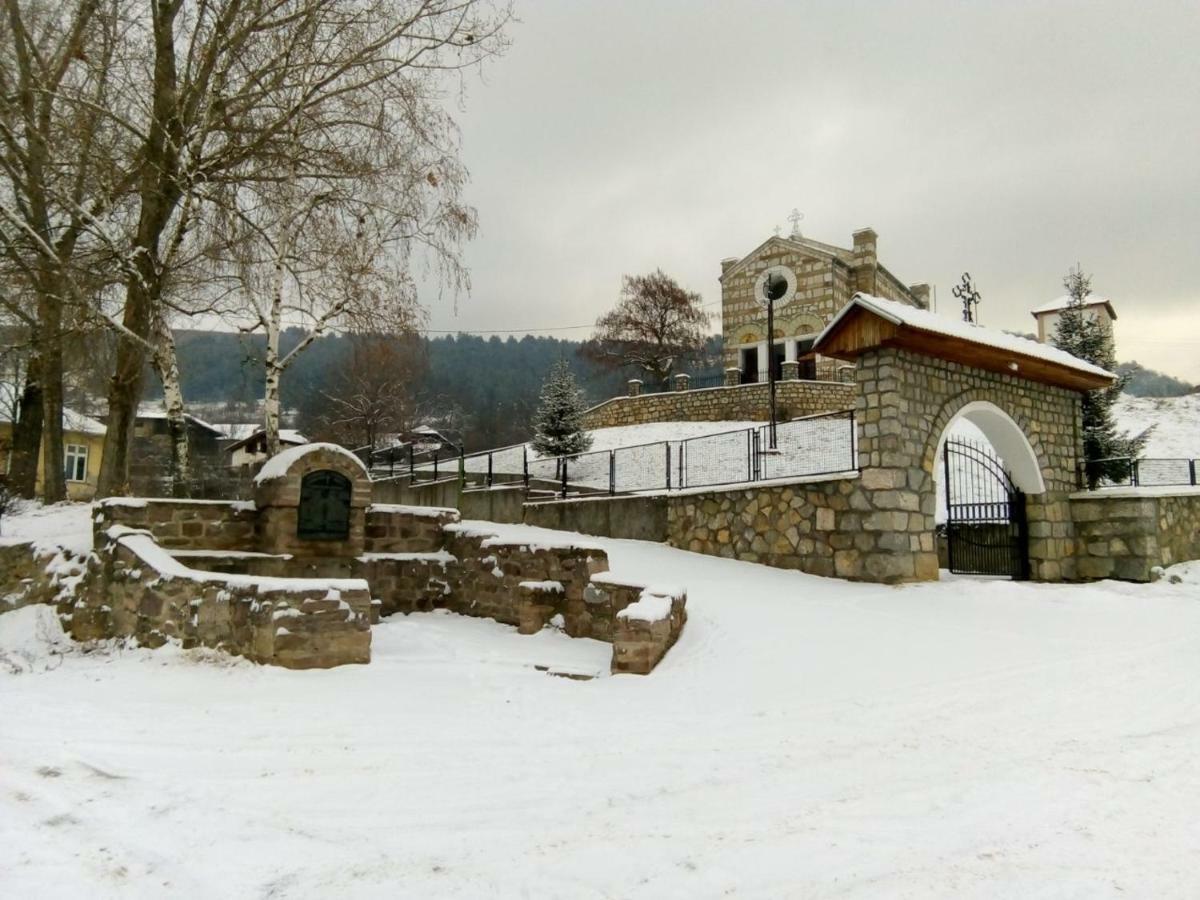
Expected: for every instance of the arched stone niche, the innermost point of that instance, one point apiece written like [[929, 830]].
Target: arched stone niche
[[312, 501]]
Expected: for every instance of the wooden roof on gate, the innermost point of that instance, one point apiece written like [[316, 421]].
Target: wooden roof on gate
[[867, 323]]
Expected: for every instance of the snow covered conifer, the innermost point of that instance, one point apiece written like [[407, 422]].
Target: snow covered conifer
[[1086, 337], [558, 423]]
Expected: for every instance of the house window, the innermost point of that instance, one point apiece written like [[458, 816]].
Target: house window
[[76, 462]]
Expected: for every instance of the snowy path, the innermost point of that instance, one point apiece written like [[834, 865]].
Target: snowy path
[[805, 738]]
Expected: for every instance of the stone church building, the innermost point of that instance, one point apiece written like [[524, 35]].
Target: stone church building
[[821, 280]]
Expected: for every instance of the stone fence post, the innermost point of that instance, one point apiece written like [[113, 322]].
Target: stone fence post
[[635, 387], [733, 377], [682, 381], [790, 371]]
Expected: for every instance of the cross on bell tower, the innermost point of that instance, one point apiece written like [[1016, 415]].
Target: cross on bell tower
[[795, 218]]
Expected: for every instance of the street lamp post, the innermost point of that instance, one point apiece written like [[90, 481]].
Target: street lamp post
[[774, 287]]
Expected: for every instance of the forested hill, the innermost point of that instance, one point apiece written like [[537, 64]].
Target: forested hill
[[488, 387], [485, 387]]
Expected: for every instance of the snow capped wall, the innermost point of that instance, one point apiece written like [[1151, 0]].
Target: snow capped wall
[[742, 403]]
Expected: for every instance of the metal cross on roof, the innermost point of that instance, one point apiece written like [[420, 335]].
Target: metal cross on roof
[[967, 293], [795, 218]]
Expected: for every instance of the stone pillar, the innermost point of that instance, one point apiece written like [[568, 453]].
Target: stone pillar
[[635, 387], [682, 381], [892, 508], [790, 371], [733, 376]]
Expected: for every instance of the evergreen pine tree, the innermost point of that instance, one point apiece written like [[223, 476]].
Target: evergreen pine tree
[[1105, 450], [558, 424]]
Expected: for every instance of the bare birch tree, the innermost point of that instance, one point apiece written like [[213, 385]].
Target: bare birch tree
[[228, 81]]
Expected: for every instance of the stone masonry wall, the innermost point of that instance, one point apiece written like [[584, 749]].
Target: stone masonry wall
[[905, 403], [1127, 533], [296, 626], [183, 524], [406, 529], [880, 526], [743, 403], [807, 526]]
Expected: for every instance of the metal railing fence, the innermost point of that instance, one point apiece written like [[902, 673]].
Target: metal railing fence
[[1138, 472]]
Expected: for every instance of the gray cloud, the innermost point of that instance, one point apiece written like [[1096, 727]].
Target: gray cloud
[[1009, 139]]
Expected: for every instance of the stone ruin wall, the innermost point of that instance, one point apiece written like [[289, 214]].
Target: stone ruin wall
[[413, 559], [318, 626], [743, 403]]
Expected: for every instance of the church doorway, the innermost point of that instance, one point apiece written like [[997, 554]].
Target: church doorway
[[749, 365]]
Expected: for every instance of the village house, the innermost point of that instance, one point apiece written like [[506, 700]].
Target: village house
[[83, 444], [252, 449]]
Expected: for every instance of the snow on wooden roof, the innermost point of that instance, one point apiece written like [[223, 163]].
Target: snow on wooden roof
[[900, 325], [1060, 303]]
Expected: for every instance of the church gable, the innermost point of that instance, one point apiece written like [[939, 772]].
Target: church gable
[[821, 280]]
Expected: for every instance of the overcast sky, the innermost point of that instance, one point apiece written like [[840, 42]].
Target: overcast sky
[[1008, 139]]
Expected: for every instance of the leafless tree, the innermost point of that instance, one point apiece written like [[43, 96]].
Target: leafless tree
[[58, 177], [654, 325], [374, 394], [251, 93]]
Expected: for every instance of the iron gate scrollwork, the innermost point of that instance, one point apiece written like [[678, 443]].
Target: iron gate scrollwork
[[986, 528], [324, 513]]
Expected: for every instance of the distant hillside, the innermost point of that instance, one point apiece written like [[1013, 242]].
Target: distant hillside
[[1145, 382], [489, 385], [1176, 422]]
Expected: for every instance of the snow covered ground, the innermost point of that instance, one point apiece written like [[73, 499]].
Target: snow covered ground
[[806, 737], [66, 525]]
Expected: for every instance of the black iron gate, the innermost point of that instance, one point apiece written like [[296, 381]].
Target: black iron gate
[[986, 529]]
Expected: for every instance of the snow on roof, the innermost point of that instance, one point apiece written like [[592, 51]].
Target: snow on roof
[[286, 436], [237, 431], [277, 466], [153, 409], [1060, 303], [924, 320], [72, 420]]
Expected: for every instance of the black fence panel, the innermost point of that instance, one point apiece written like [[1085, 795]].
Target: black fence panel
[[1126, 471], [647, 467], [723, 458], [817, 445]]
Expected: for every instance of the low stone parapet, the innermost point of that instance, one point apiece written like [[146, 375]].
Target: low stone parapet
[[181, 524], [393, 528], [737, 403], [138, 590], [645, 630]]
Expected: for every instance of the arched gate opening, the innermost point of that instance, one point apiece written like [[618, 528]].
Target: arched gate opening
[[985, 466]]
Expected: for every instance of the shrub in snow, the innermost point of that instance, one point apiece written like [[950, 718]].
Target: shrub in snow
[[558, 424]]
